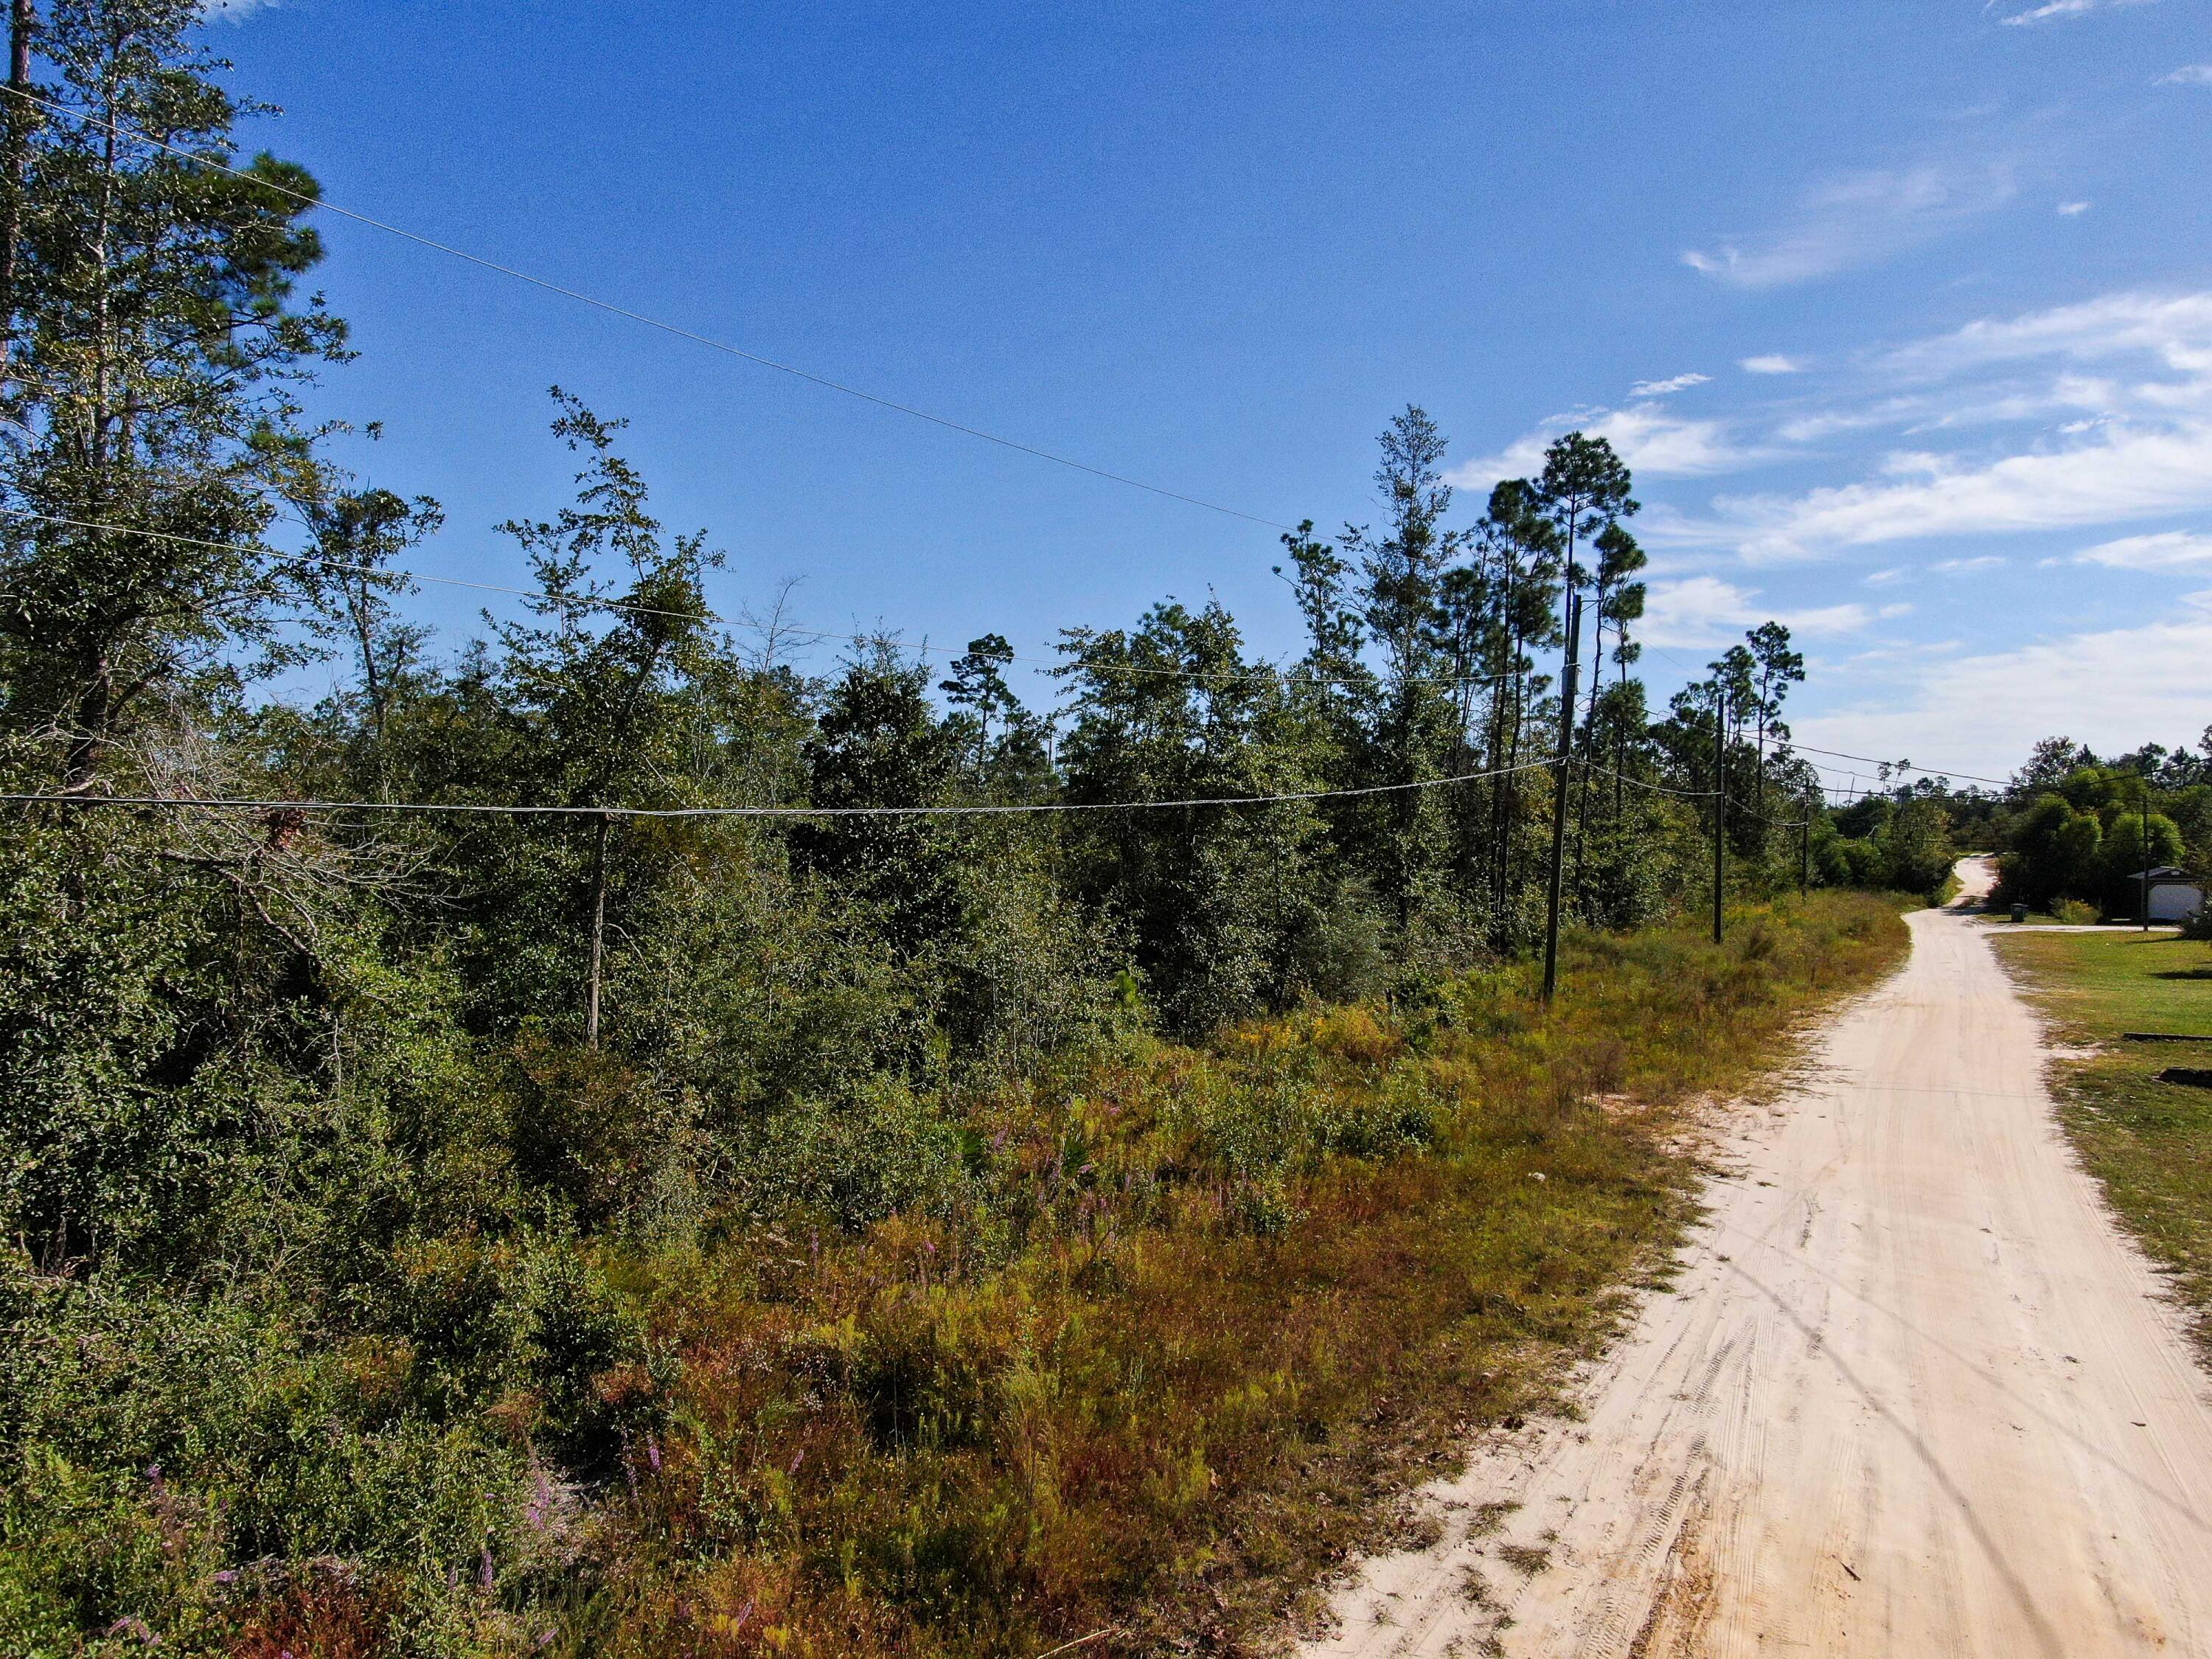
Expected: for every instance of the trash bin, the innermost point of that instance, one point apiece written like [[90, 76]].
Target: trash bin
[[2020, 912]]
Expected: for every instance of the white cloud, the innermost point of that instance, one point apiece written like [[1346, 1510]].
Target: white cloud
[[1661, 388], [1655, 443], [1835, 618], [2126, 473], [1771, 362], [1888, 578], [2174, 328], [1699, 611], [2189, 75], [1694, 611], [1962, 567], [2051, 10], [2133, 371], [2167, 550], [1858, 218], [2111, 690], [2072, 210]]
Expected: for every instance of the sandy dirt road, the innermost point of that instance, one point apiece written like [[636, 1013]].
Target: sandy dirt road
[[1913, 1395]]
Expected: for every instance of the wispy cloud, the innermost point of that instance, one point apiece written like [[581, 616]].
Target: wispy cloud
[[1963, 566], [1661, 388], [2115, 394], [2123, 474], [1771, 362], [2169, 550], [1980, 714], [1654, 441], [1858, 218], [2189, 75], [2072, 210], [2051, 10], [2175, 329], [1698, 611]]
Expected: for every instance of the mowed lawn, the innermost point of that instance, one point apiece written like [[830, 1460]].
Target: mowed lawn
[[2147, 1140]]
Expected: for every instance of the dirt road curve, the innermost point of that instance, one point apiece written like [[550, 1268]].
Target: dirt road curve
[[1914, 1397]]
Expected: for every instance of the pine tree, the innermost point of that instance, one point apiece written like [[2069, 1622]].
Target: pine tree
[[156, 348]]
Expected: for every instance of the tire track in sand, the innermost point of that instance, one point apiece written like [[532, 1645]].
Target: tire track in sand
[[1913, 1396]]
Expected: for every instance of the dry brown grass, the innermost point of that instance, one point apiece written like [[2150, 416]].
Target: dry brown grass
[[1158, 1385]]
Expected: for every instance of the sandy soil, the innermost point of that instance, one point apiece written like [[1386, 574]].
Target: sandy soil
[[1913, 1395]]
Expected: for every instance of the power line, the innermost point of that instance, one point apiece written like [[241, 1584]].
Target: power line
[[623, 312], [500, 810], [1771, 824], [1901, 766], [1872, 759], [1639, 783], [600, 602]]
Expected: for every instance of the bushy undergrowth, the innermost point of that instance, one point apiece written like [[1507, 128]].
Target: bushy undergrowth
[[708, 1157], [1125, 1344]]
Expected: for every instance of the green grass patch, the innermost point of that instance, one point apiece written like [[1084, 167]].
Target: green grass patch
[[2099, 985], [2149, 1142]]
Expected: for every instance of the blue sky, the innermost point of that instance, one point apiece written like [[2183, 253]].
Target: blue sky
[[1901, 313]]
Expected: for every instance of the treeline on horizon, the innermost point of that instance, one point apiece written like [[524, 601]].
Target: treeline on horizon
[[277, 1083], [2077, 832]]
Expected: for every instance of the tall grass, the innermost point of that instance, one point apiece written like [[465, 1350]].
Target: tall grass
[[1139, 1347], [1204, 1309]]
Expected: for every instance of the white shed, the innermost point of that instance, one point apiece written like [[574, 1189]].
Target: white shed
[[2173, 896]]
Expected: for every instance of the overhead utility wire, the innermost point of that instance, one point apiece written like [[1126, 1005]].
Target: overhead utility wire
[[495, 809], [1873, 760], [1639, 783], [623, 312], [602, 603], [1900, 766], [1735, 805]]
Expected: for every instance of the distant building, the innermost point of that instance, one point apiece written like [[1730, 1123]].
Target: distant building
[[2173, 896]]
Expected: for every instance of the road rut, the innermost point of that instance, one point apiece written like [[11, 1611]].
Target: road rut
[[1913, 1395]]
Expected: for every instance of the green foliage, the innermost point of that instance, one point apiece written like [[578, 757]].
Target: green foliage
[[1902, 845], [2127, 852], [851, 1163], [383, 1194], [157, 348], [2087, 829], [1215, 901]]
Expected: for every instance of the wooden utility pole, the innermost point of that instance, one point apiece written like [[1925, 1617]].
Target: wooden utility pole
[[2142, 818], [1720, 806], [1805, 849], [599, 933], [15, 134], [1565, 762]]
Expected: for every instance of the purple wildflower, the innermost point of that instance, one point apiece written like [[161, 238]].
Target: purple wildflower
[[541, 1500]]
